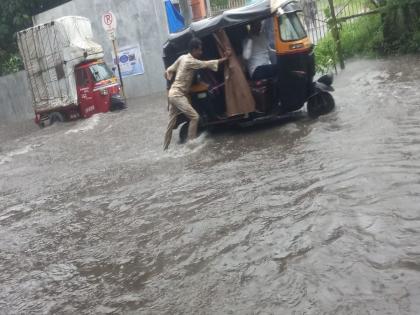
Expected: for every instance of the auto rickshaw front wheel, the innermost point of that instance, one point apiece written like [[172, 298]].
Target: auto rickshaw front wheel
[[320, 104]]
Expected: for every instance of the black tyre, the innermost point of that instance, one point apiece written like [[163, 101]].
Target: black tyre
[[183, 132], [117, 103], [56, 117], [320, 104]]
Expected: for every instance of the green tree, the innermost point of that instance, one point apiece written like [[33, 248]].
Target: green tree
[[16, 15]]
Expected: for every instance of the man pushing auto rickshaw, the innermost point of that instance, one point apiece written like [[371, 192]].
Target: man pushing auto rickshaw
[[183, 69]]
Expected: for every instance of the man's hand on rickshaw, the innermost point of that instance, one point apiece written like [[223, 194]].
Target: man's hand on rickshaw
[[226, 56], [168, 75]]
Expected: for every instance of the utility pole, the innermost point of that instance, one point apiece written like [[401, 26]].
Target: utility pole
[[336, 34], [185, 7]]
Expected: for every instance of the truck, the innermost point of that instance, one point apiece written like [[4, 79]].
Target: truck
[[66, 72]]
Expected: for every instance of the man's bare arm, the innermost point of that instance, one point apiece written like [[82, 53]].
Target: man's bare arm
[[226, 56]]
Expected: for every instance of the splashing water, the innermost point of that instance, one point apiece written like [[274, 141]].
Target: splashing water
[[308, 217]]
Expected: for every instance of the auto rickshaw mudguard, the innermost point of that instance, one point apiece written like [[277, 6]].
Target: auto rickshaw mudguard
[[321, 87], [323, 84]]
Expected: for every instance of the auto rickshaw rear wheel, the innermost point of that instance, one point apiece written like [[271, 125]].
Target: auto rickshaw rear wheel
[[183, 132], [320, 104]]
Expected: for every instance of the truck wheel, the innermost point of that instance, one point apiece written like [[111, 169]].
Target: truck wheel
[[320, 104], [56, 117], [183, 132]]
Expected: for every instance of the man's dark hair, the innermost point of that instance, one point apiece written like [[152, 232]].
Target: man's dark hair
[[195, 43]]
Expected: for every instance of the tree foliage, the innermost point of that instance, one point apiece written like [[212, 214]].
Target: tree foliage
[[395, 30], [401, 26], [16, 15]]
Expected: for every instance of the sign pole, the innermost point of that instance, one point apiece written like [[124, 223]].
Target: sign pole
[[117, 59], [109, 23]]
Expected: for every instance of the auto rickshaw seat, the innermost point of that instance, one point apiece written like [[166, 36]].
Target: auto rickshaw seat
[[262, 93], [199, 87]]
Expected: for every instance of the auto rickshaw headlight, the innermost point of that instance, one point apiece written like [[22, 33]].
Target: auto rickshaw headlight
[[201, 95], [296, 46], [104, 92]]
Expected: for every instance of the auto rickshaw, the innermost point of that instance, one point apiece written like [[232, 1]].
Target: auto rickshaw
[[291, 51]]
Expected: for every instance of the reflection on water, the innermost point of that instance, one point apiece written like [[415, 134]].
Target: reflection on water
[[306, 217]]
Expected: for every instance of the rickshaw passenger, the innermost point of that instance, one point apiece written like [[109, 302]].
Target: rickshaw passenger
[[184, 68], [257, 55]]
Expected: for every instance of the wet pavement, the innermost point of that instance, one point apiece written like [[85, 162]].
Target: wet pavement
[[307, 217]]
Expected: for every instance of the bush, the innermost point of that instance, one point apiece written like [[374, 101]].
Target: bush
[[325, 56], [362, 37], [396, 30], [10, 63], [401, 24]]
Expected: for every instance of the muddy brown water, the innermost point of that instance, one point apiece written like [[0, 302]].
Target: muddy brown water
[[305, 217]]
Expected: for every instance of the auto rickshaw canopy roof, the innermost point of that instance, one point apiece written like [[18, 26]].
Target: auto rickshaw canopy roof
[[257, 11]]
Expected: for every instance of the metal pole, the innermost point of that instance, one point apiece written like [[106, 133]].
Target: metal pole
[[208, 7], [184, 5], [336, 34], [118, 66]]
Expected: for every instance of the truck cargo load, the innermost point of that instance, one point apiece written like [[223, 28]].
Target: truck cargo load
[[50, 53]]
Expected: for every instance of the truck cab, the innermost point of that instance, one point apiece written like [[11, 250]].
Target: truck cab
[[98, 90], [66, 74]]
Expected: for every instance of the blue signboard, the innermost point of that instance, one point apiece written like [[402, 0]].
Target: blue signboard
[[131, 62]]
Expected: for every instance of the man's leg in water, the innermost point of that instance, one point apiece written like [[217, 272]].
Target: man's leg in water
[[183, 105], [173, 115]]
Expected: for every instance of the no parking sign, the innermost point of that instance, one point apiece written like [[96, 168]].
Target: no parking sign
[[109, 23]]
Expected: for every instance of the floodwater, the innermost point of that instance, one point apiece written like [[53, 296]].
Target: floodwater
[[305, 217]]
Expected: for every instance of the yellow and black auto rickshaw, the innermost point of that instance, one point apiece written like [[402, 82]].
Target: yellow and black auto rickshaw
[[291, 51]]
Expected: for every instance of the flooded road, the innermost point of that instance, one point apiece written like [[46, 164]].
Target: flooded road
[[309, 217]]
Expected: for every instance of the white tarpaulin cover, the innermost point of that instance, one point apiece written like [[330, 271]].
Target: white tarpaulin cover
[[50, 53]]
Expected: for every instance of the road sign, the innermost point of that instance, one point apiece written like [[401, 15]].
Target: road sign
[[109, 23]]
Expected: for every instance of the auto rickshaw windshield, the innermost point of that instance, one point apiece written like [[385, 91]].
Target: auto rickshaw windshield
[[291, 28], [100, 72]]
